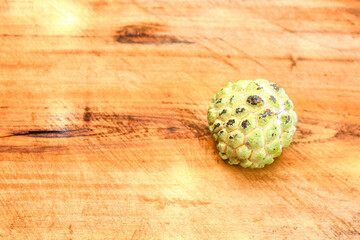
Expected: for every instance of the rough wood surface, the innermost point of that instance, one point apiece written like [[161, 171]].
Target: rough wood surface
[[103, 131]]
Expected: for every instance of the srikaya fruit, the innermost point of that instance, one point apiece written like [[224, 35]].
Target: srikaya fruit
[[251, 122]]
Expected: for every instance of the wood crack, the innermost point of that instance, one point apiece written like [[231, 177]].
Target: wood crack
[[147, 33], [50, 133]]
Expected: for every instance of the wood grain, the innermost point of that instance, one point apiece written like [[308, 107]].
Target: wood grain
[[103, 131]]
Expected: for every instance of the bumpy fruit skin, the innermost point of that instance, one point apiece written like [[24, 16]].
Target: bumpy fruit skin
[[251, 122]]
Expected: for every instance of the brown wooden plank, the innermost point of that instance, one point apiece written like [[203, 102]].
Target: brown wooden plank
[[103, 131]]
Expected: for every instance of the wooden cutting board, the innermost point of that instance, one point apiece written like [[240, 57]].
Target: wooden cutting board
[[103, 131]]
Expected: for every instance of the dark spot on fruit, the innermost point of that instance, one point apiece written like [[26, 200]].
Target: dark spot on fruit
[[273, 99], [275, 86], [266, 113], [219, 101], [255, 100], [217, 125], [245, 123], [221, 132], [232, 98], [259, 88], [230, 122], [272, 134], [240, 110], [234, 136], [288, 104], [223, 112], [247, 143], [287, 119]]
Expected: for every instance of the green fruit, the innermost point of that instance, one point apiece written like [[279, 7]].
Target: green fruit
[[251, 121]]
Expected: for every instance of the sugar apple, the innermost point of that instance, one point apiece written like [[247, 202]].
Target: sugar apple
[[251, 121]]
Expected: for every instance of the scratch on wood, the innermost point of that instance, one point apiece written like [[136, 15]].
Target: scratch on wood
[[98, 5], [168, 127], [87, 114], [353, 11], [305, 135], [146, 33], [134, 234], [219, 57], [70, 229], [142, 8], [352, 130], [293, 59], [163, 202], [247, 56], [30, 149], [46, 36], [294, 32]]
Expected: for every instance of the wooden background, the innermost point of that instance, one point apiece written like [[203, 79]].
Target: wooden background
[[103, 131]]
